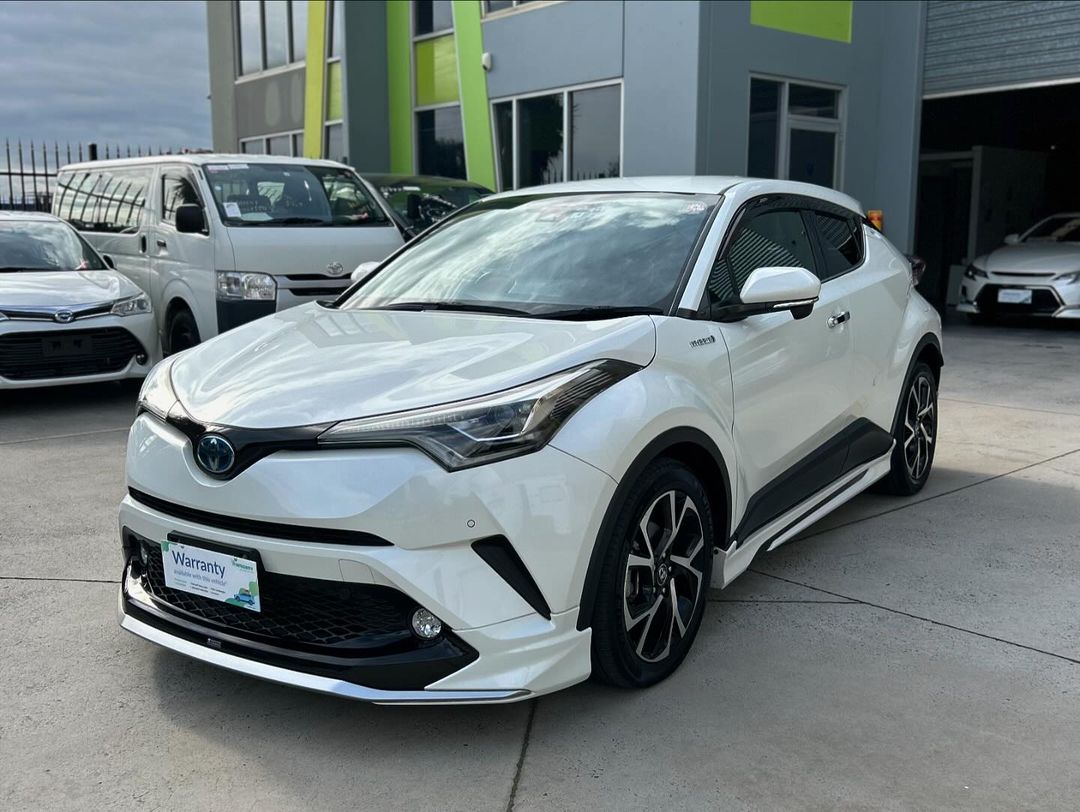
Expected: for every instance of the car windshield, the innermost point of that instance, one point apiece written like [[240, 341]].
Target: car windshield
[[422, 204], [548, 255], [1056, 229], [264, 194], [44, 245]]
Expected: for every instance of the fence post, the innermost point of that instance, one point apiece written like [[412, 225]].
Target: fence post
[[91, 152]]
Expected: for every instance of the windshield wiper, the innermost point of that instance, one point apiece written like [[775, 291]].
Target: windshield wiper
[[599, 312], [288, 221], [464, 307]]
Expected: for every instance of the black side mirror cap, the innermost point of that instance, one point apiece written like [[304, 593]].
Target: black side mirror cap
[[918, 268], [190, 219], [108, 260]]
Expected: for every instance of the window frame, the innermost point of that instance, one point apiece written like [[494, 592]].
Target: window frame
[[786, 122], [517, 6], [265, 139], [565, 91], [179, 172], [291, 63]]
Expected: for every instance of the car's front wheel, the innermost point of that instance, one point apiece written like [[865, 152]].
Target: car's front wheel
[[654, 578]]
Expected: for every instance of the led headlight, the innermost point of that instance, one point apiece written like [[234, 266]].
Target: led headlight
[[1068, 278], [241, 285], [971, 272], [485, 429], [131, 306], [157, 395]]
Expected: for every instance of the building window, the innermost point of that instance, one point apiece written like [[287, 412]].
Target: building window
[[335, 142], [270, 33], [504, 5], [572, 134], [430, 16], [289, 143], [337, 28], [441, 142], [796, 131]]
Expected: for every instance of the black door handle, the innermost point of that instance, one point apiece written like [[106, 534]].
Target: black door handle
[[161, 243], [142, 243]]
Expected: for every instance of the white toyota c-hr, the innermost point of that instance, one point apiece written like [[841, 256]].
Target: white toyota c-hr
[[521, 451]]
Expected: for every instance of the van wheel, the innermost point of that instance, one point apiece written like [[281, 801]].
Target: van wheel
[[182, 332], [654, 578], [915, 434]]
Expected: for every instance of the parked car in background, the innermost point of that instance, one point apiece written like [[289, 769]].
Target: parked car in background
[[522, 451], [220, 240], [420, 201], [65, 315], [1036, 273]]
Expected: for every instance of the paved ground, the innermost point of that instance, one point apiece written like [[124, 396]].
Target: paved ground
[[919, 653]]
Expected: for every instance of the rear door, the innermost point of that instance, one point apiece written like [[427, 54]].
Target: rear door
[[790, 377]]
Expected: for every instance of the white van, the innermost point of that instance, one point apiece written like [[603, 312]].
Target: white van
[[220, 240]]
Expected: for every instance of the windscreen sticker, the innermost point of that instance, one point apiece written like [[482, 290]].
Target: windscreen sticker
[[237, 166], [232, 209], [217, 168]]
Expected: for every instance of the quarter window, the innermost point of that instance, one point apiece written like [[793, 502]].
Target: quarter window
[[841, 243], [773, 238]]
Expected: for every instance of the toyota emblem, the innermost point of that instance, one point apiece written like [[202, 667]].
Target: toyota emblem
[[335, 269], [64, 316], [215, 454]]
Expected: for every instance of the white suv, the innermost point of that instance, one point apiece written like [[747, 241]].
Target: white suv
[[521, 451]]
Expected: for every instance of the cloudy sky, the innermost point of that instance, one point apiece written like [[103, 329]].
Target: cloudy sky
[[119, 72]]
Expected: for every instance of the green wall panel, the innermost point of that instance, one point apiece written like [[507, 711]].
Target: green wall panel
[[315, 79], [475, 111], [333, 91], [399, 78], [436, 71], [827, 19]]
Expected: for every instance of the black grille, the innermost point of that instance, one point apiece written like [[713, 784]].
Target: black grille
[[304, 612], [1043, 302], [66, 353]]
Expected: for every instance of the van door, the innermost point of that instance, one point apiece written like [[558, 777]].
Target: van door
[[182, 265]]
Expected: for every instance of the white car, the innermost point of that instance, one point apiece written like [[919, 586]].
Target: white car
[[1036, 273], [65, 315], [521, 451]]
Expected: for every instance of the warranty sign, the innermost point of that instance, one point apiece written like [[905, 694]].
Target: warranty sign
[[219, 576]]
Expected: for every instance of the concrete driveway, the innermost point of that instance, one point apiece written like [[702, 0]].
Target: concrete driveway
[[917, 653]]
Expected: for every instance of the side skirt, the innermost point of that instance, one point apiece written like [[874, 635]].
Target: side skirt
[[787, 526]]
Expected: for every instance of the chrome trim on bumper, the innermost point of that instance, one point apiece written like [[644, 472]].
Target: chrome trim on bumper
[[310, 682]]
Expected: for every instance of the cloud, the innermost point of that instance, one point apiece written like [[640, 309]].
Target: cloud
[[128, 73]]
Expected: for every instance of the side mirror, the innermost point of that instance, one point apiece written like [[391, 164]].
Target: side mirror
[[190, 219], [412, 206], [363, 271], [771, 290], [918, 268], [108, 260], [1012, 239]]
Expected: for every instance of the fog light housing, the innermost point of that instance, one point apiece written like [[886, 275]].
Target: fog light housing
[[140, 359], [425, 625]]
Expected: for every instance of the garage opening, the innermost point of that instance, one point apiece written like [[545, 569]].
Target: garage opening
[[990, 165]]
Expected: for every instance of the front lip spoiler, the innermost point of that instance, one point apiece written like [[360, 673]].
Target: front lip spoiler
[[310, 682]]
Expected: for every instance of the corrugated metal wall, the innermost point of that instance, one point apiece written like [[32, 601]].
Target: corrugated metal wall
[[977, 44]]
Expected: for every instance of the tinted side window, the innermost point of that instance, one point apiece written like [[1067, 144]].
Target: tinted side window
[[775, 238], [175, 192], [841, 243]]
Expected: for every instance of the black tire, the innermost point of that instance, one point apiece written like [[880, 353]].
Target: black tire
[[915, 432], [181, 333], [635, 656]]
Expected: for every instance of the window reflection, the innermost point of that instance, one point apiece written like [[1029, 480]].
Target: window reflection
[[441, 142], [250, 37], [540, 140], [594, 128]]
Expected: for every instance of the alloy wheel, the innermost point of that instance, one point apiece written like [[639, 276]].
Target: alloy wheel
[[663, 581], [920, 426]]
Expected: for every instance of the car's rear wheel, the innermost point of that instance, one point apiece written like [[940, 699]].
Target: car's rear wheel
[[654, 578], [915, 434]]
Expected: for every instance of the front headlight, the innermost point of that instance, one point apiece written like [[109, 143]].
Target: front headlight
[[971, 272], [1068, 278], [485, 429], [241, 285], [157, 395], [132, 306]]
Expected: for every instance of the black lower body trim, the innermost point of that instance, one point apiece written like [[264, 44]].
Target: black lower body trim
[[234, 313], [501, 556]]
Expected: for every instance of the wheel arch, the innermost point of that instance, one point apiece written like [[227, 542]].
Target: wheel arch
[[927, 350], [697, 451]]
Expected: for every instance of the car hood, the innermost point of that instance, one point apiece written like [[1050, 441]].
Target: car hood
[[312, 364], [1032, 257], [63, 288]]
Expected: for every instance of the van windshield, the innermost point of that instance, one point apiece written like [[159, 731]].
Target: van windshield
[[264, 194]]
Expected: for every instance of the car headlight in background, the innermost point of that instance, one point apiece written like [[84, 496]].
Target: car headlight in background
[[485, 429], [131, 306], [971, 272], [1068, 278], [243, 285], [157, 395]]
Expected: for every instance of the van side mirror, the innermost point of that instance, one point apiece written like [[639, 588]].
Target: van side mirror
[[190, 218], [108, 260], [772, 290], [363, 271], [1012, 239]]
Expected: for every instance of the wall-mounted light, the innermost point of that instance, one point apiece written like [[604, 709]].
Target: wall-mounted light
[[485, 60]]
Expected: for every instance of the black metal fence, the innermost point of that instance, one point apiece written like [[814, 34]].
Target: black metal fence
[[28, 172]]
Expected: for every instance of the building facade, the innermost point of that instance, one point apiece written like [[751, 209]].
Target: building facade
[[514, 93]]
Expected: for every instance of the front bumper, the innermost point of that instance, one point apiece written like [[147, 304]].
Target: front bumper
[[118, 348], [980, 296], [547, 505]]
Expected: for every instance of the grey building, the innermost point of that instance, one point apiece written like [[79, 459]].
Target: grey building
[[513, 93]]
